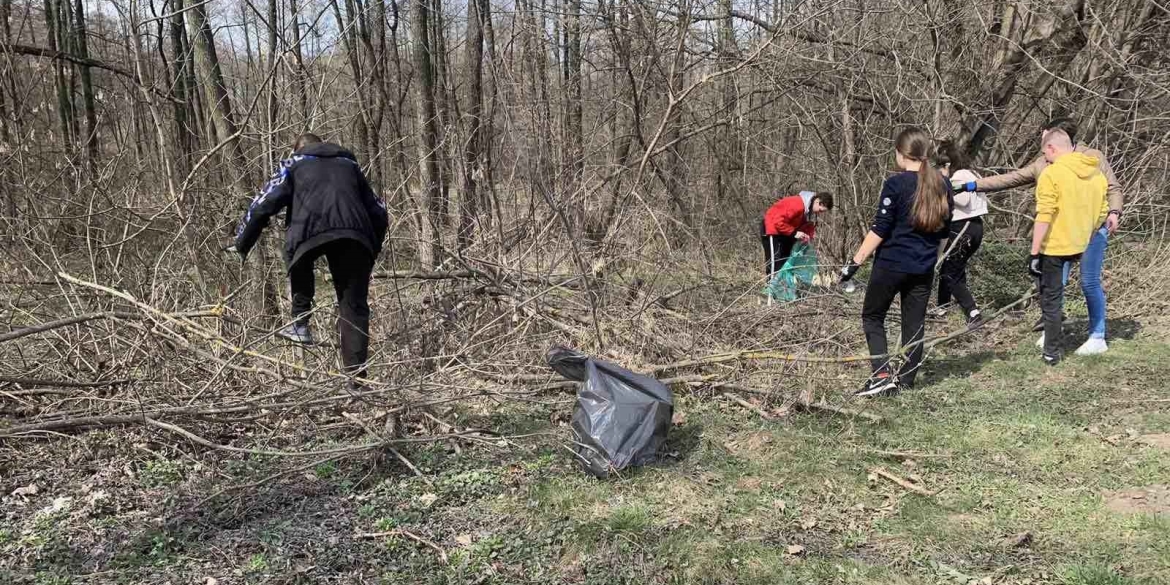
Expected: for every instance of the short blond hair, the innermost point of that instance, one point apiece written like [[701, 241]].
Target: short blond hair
[[1058, 139]]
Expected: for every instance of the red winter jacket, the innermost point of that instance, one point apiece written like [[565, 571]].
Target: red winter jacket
[[788, 216]]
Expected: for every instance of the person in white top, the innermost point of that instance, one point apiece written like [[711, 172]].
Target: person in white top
[[966, 233]]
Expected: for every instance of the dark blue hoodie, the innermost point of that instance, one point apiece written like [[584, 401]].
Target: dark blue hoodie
[[903, 247]]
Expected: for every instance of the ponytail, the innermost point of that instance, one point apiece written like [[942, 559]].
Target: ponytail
[[930, 209]]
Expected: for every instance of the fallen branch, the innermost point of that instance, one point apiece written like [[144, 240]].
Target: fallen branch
[[740, 401], [341, 450], [61, 383], [408, 534], [773, 355], [823, 407], [902, 454], [881, 472], [359, 422], [262, 481], [421, 275], [804, 404], [76, 319]]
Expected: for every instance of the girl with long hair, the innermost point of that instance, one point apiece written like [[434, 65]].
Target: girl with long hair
[[912, 220]]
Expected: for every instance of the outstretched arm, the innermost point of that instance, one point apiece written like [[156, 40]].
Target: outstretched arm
[[1017, 178], [276, 195]]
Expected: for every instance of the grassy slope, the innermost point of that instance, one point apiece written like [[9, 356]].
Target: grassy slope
[[1022, 448]]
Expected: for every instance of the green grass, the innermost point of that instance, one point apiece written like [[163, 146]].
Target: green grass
[[1014, 455], [1006, 446]]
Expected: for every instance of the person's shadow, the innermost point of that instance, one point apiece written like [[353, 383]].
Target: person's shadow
[[957, 366], [1077, 331]]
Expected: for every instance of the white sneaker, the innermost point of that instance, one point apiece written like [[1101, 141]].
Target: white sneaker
[[1094, 346], [1040, 342]]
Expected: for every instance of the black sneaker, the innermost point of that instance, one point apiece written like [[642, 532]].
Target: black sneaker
[[1051, 360], [975, 319], [880, 384]]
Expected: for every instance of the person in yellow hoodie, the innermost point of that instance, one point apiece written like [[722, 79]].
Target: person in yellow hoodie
[[1070, 205]]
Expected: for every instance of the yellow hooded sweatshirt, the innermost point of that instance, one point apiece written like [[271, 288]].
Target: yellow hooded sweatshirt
[[1070, 195]]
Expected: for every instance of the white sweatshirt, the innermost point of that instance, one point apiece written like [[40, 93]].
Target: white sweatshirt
[[968, 204]]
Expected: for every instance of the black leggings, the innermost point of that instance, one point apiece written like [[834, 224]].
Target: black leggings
[[914, 290], [777, 249], [350, 264], [952, 280]]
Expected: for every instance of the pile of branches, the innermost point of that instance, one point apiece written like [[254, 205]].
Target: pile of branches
[[208, 376]]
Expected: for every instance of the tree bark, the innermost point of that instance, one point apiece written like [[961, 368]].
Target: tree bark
[[64, 100], [91, 128], [469, 201], [429, 245], [216, 99]]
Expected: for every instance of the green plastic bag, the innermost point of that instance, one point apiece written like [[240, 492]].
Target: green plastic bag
[[800, 268]]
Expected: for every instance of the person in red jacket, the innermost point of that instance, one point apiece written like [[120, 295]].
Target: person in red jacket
[[788, 221]]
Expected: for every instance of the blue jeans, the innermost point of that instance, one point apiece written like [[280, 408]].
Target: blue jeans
[[1091, 264]]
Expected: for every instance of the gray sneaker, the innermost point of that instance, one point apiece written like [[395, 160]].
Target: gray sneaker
[[296, 333]]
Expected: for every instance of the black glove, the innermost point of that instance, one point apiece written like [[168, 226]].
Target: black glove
[[1034, 265], [849, 270]]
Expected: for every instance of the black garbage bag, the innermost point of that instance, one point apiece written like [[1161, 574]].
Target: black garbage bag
[[621, 418]]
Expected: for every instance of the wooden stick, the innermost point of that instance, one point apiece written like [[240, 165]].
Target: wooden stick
[[903, 454], [408, 534], [881, 472], [392, 450], [823, 407], [76, 319], [61, 383], [775, 355], [262, 481], [740, 401]]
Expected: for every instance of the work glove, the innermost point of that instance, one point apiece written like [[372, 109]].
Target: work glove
[[1034, 265], [960, 186], [848, 271]]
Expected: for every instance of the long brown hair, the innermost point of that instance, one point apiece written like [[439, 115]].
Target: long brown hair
[[930, 209]]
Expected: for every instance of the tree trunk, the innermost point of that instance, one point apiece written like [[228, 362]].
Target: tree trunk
[[181, 113], [301, 75], [274, 146], [429, 245], [215, 95], [219, 110], [64, 100], [574, 138], [469, 208], [444, 110], [91, 129], [7, 118], [724, 141]]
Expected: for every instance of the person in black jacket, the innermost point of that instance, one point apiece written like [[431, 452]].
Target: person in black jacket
[[911, 222], [331, 211]]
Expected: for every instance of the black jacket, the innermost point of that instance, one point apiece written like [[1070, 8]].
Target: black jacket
[[326, 197], [904, 248]]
